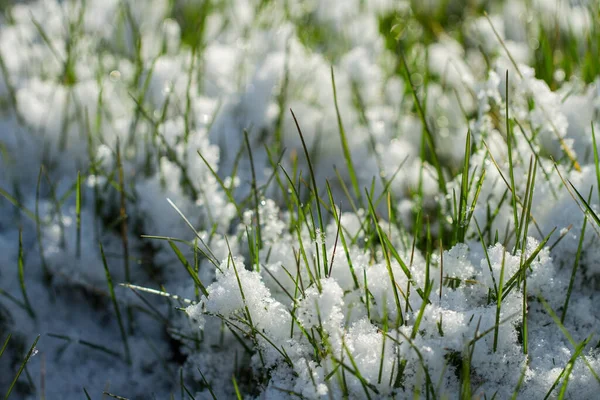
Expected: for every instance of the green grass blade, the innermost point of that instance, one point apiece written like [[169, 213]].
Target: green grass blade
[[575, 267], [86, 343], [316, 190], [344, 140], [461, 220], [78, 214], [21, 266], [428, 134], [5, 345], [208, 385], [399, 317], [17, 204], [22, 367], [499, 302], [116, 305], [587, 208], [115, 396], [596, 160], [38, 227], [254, 190], [238, 395], [189, 268]]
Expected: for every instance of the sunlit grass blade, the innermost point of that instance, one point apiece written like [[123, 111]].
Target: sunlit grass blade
[[157, 293], [238, 394]]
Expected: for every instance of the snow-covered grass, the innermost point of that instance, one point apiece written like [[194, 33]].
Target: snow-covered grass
[[316, 199]]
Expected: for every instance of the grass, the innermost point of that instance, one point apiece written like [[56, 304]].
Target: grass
[[387, 235], [21, 367]]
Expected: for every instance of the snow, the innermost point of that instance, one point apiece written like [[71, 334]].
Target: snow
[[135, 105]]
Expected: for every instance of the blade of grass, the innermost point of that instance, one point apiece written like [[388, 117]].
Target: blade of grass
[[189, 268], [399, 316], [316, 190], [5, 345], [21, 266], [596, 160], [208, 385], [116, 305], [115, 396], [344, 140], [17, 204], [428, 134], [38, 227], [21, 368], [255, 191], [124, 237], [511, 170], [86, 343], [499, 301], [212, 258], [157, 293], [238, 395], [78, 215], [588, 209], [464, 194], [575, 266]]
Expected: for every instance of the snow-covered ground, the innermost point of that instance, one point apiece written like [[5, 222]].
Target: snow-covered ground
[[453, 249]]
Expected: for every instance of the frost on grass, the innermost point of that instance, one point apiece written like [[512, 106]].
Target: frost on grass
[[441, 241]]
